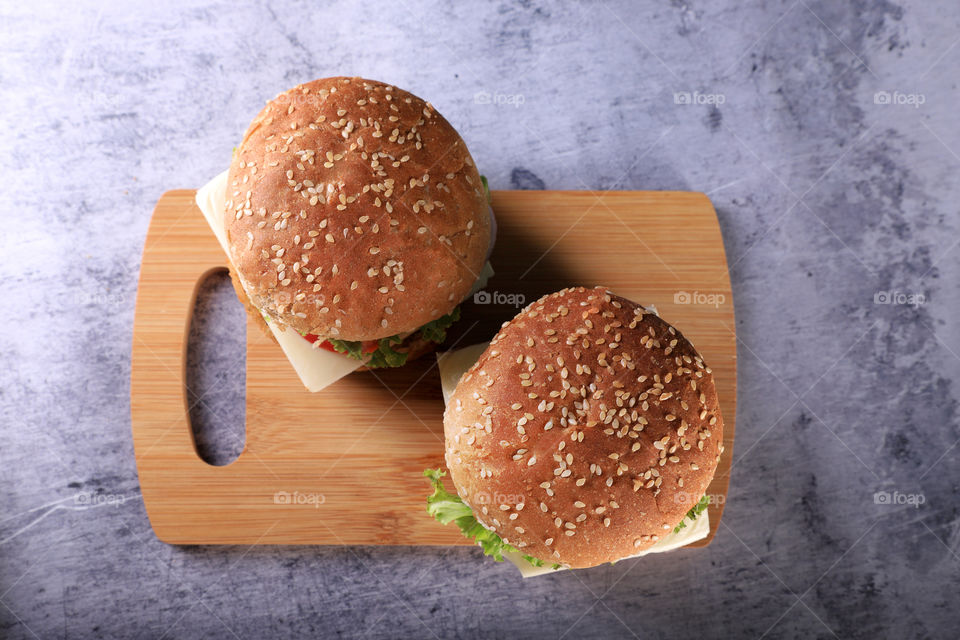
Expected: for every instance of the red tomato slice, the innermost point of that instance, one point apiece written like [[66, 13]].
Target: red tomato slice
[[312, 338], [367, 347]]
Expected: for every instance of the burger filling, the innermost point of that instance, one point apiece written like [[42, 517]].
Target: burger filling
[[448, 507], [377, 354]]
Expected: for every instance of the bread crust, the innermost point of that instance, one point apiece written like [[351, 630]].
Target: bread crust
[[354, 211], [249, 307], [586, 431]]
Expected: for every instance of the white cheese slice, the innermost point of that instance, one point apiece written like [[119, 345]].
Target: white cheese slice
[[485, 274], [211, 198], [317, 368], [452, 365]]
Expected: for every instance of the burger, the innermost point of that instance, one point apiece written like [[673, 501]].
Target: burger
[[355, 222], [586, 432]]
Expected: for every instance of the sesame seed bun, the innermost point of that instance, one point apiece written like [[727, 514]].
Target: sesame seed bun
[[354, 211], [586, 431]]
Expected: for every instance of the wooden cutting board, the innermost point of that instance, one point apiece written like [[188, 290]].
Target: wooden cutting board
[[344, 466]]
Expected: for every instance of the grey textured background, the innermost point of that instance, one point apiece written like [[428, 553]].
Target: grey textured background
[[825, 198]]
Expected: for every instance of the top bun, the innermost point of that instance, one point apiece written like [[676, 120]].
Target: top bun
[[354, 211], [586, 431]]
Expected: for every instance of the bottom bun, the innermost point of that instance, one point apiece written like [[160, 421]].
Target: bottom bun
[[253, 311]]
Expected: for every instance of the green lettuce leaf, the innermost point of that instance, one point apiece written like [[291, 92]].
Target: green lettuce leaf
[[447, 507], [436, 331], [347, 348], [386, 355], [697, 509], [486, 188]]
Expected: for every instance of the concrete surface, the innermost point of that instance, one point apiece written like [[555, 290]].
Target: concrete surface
[[830, 199]]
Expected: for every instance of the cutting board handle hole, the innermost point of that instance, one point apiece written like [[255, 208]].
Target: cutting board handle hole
[[216, 370]]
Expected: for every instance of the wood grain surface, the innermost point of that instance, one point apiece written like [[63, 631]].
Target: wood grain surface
[[344, 466]]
